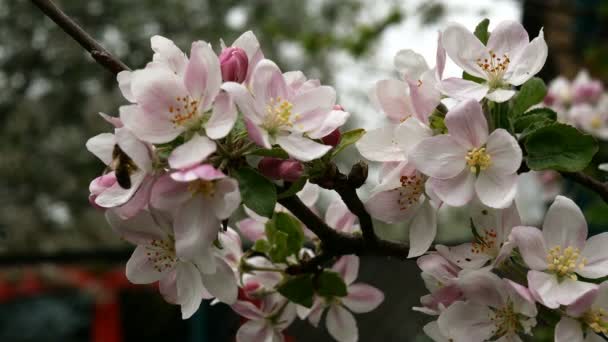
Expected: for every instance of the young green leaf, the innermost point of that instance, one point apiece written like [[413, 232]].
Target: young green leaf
[[298, 289], [275, 152], [258, 193], [481, 31], [559, 147], [533, 116], [261, 246], [329, 284], [347, 139], [532, 92]]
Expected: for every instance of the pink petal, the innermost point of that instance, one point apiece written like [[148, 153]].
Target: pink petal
[[167, 287], [157, 90], [390, 206], [424, 95], [505, 152], [258, 134], [597, 257], [323, 97], [456, 191], [410, 64], [221, 284], [308, 195], [115, 195], [423, 229], [148, 128], [139, 229], [463, 256], [138, 201], [409, 133], [251, 229], [102, 146], [189, 289], [495, 190], [439, 267], [247, 310], [141, 270], [465, 321], [124, 84], [332, 121], [531, 245], [440, 57], [302, 148], [112, 120], [380, 145], [362, 298], [347, 267], [568, 330], [440, 157], [134, 148], [482, 287], [267, 82], [461, 89], [508, 37], [167, 194], [339, 217], [194, 151], [167, 53], [203, 171], [552, 293], [203, 76], [529, 62], [227, 198], [241, 95], [564, 224], [341, 324], [464, 48], [195, 229], [254, 331], [434, 333], [467, 125], [583, 304], [393, 98], [222, 118], [521, 297]]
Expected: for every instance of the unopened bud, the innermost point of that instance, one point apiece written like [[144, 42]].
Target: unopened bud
[[290, 170], [234, 64], [270, 167], [332, 138]]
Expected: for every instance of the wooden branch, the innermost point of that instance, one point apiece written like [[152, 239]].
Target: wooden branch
[[601, 188], [98, 52]]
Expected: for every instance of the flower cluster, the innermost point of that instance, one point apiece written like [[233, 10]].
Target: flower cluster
[[212, 141]]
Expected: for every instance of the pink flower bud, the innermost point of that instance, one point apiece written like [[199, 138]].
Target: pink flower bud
[[290, 170], [99, 185], [588, 92], [332, 138], [234, 63], [270, 167]]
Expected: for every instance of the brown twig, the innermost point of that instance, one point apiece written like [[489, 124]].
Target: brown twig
[[601, 188], [98, 52]]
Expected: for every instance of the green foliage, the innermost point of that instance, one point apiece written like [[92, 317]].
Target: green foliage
[[535, 117], [275, 152], [298, 289], [481, 31], [257, 192], [293, 188], [559, 147], [261, 246], [329, 284], [285, 236], [347, 139], [469, 77], [532, 92]]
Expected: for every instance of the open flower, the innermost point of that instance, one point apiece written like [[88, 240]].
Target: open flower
[[275, 113], [495, 308], [440, 278], [157, 258], [361, 298], [586, 319], [508, 59], [491, 244], [558, 253], [266, 324], [468, 161], [168, 103]]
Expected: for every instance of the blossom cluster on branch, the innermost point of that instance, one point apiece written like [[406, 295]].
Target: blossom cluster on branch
[[216, 140]]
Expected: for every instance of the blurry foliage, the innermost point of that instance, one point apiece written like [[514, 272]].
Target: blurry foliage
[[51, 92]]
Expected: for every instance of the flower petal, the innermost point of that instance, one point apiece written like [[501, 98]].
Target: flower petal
[[253, 230], [461, 89], [529, 62], [134, 148], [102, 146], [267, 83], [347, 267], [456, 191], [597, 257], [388, 206], [247, 310], [222, 118], [423, 229], [509, 38], [568, 330], [424, 95], [148, 128], [505, 152], [380, 145], [258, 330], [341, 324], [583, 304], [394, 100], [189, 289], [221, 284], [531, 245], [411, 132], [195, 228], [482, 287], [115, 195], [564, 224], [139, 229], [167, 53], [467, 125], [439, 157], [243, 100], [302, 148], [257, 134], [228, 198], [552, 293], [464, 49], [463, 256], [203, 76], [410, 64], [500, 95], [194, 151], [362, 298], [495, 190], [124, 84], [434, 333], [464, 321], [141, 270]]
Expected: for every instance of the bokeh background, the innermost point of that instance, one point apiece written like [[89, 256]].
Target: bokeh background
[[61, 268]]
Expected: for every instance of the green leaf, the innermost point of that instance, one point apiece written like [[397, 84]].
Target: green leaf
[[330, 284], [481, 31], [275, 152], [294, 188], [531, 117], [469, 77], [298, 289], [437, 124], [347, 139], [285, 236], [559, 147], [261, 246], [257, 192], [532, 92]]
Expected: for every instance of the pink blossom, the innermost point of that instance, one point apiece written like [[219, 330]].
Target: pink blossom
[[585, 89], [560, 252], [586, 319], [361, 298], [266, 324], [440, 278], [469, 161], [340, 218], [509, 58]]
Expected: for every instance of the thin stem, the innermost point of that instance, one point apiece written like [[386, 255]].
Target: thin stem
[[98, 52], [601, 188]]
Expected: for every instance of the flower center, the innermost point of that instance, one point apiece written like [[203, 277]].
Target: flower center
[[494, 67], [485, 243], [185, 109], [411, 189], [506, 320], [596, 122], [478, 159], [278, 115], [565, 262], [161, 253], [203, 187], [597, 320]]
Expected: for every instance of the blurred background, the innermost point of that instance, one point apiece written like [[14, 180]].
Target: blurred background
[[61, 268]]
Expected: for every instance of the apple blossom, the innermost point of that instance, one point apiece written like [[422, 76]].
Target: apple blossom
[[508, 59], [587, 316], [440, 278], [585, 89], [558, 253], [266, 323], [469, 160]]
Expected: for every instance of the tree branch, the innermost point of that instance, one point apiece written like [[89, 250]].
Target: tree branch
[[601, 188], [98, 52]]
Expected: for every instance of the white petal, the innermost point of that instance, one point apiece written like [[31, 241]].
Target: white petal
[[347, 267], [505, 152], [221, 284], [102, 146], [141, 270], [189, 289], [116, 195], [439, 157], [410, 133], [495, 190], [564, 224], [464, 48], [531, 245], [456, 191], [410, 64], [508, 37], [147, 127], [139, 229], [228, 198], [461, 89], [568, 330], [223, 117], [597, 257], [302, 148], [134, 148], [500, 95], [192, 152], [362, 298], [529, 62], [434, 333], [380, 145], [254, 331], [466, 322], [124, 84], [169, 54], [423, 229], [196, 228], [393, 98], [552, 293], [467, 124], [341, 324]]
